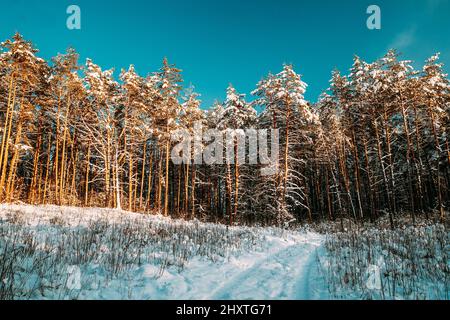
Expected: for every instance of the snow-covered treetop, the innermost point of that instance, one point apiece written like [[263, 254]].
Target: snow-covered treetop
[[131, 80], [21, 56], [214, 113], [65, 72], [395, 71], [282, 92], [327, 109], [99, 83], [67, 62], [292, 81], [366, 78], [236, 112], [434, 78], [190, 108], [20, 51], [286, 85], [233, 97], [339, 84], [169, 79]]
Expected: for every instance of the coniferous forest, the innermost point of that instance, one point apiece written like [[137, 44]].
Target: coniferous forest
[[375, 144]]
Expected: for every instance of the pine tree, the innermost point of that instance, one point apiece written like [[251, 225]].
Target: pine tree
[[26, 77], [67, 94], [236, 114], [166, 113], [101, 132], [435, 89], [285, 109], [190, 115], [129, 118]]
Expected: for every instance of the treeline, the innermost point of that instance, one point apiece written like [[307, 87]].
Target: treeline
[[376, 144]]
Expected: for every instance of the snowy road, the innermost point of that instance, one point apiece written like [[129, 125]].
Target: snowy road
[[281, 275], [285, 271]]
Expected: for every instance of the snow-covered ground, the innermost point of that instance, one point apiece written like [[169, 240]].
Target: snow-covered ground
[[408, 263], [50, 252]]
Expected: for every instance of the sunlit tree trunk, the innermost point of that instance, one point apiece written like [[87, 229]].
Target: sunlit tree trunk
[[7, 128], [383, 169], [193, 176], [47, 168], [15, 157], [149, 184], [5, 144], [357, 174], [438, 166], [36, 169], [186, 189], [166, 187], [116, 167], [409, 155], [144, 156], [236, 178], [88, 167]]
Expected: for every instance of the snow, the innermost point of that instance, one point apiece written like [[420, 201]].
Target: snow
[[121, 255], [283, 273], [176, 259], [409, 263], [23, 147]]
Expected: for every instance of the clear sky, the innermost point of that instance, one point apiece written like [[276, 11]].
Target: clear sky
[[217, 42]]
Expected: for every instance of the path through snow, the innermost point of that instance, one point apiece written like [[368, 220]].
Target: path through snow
[[282, 272], [281, 275]]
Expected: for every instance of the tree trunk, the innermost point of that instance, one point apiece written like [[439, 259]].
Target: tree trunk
[[166, 189], [144, 156], [116, 165], [383, 169], [88, 167], [236, 179], [5, 140]]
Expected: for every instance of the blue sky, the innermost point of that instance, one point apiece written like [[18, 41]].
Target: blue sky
[[217, 42]]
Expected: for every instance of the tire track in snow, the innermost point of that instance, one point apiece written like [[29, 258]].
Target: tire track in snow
[[283, 274], [302, 287]]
